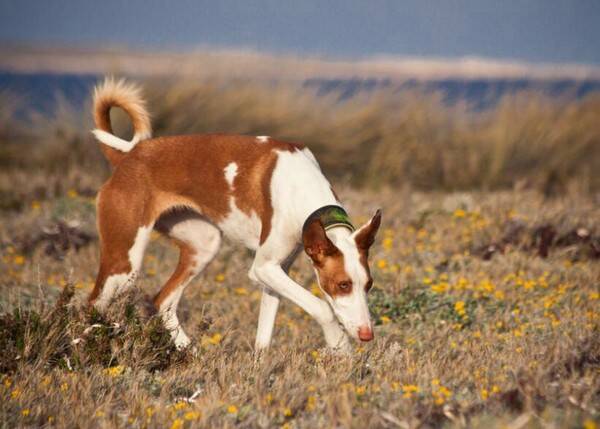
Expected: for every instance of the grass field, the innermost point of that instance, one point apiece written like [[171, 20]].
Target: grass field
[[487, 300], [474, 326]]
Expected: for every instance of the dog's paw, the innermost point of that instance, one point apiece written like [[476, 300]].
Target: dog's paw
[[181, 340]]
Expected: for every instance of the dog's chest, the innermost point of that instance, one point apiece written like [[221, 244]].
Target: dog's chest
[[241, 227]]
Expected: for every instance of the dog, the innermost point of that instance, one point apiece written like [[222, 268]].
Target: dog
[[262, 193]]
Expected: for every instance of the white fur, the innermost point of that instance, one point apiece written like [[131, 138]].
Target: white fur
[[240, 227], [116, 142], [262, 139], [136, 253], [269, 303], [230, 172], [168, 312], [112, 287], [294, 197], [306, 151]]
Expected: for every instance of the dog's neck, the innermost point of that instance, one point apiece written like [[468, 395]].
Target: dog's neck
[[331, 216]]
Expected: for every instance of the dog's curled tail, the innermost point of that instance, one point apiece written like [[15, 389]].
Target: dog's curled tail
[[128, 97]]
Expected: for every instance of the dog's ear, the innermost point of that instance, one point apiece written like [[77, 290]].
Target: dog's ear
[[365, 235], [316, 243]]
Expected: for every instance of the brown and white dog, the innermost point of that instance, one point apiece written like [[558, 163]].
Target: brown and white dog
[[268, 195]]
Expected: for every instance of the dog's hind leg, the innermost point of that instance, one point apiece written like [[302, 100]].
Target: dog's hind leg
[[124, 235], [198, 242]]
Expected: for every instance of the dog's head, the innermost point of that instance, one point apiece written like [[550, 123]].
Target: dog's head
[[340, 261]]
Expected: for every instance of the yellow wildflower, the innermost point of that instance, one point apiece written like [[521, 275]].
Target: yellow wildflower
[[180, 405], [114, 371], [177, 424], [409, 389], [459, 213], [440, 287], [192, 415], [388, 242], [445, 391], [232, 409], [215, 339]]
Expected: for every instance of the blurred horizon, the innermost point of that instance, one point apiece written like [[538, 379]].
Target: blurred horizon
[[534, 31]]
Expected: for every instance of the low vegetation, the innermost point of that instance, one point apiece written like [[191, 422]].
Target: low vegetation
[[414, 139], [463, 337]]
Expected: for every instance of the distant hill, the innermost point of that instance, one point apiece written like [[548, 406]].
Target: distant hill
[[40, 74]]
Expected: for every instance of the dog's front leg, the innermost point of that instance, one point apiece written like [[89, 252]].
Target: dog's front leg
[[268, 307], [269, 303], [273, 276]]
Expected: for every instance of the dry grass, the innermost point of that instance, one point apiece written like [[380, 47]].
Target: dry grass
[[460, 340], [527, 141]]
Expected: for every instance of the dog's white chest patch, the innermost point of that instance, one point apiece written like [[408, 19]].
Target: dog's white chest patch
[[240, 227]]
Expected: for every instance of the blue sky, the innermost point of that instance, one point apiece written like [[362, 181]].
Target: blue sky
[[533, 30]]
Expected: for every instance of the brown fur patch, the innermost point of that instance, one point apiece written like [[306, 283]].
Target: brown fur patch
[[364, 240], [182, 273], [332, 274], [366, 235], [189, 171]]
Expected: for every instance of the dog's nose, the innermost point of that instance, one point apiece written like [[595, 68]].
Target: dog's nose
[[365, 333]]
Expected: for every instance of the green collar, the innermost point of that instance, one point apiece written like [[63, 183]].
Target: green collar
[[330, 216]]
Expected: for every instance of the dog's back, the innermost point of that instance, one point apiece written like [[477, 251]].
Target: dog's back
[[222, 177]]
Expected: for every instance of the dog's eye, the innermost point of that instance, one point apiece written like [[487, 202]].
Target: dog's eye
[[345, 286], [369, 285]]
